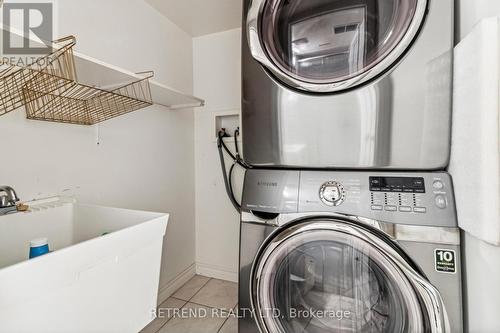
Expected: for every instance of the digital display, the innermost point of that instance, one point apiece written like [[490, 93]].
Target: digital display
[[397, 184]]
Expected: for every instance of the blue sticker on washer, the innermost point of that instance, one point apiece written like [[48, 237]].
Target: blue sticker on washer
[[445, 261]]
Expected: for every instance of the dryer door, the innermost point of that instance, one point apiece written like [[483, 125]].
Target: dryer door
[[335, 276], [330, 46]]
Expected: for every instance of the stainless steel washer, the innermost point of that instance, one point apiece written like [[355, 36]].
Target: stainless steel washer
[[347, 83], [385, 257]]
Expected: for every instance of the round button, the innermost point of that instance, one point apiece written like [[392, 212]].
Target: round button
[[441, 201], [438, 185], [332, 193]]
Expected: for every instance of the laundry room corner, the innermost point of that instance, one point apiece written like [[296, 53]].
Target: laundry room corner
[[217, 77], [105, 163], [250, 166]]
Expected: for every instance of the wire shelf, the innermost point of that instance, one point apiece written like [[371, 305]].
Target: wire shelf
[[13, 78], [52, 98], [50, 91]]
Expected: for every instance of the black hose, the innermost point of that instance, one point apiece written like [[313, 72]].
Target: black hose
[[227, 182], [230, 179], [236, 134], [227, 150], [237, 158]]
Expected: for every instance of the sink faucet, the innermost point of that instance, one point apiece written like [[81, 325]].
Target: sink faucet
[[8, 200]]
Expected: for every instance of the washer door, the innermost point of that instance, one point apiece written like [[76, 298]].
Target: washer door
[[335, 276], [330, 46]]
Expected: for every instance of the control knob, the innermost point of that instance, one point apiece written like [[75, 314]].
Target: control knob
[[332, 193]]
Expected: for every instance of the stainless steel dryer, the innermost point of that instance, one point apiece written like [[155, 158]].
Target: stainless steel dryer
[[349, 252], [347, 83]]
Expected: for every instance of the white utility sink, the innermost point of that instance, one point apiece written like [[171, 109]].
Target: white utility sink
[[101, 276]]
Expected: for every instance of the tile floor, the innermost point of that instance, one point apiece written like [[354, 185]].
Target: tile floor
[[202, 305]]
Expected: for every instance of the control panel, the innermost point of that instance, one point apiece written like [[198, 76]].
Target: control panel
[[411, 198], [405, 194], [398, 197], [397, 194]]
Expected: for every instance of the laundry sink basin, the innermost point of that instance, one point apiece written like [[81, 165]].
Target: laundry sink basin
[[102, 273]]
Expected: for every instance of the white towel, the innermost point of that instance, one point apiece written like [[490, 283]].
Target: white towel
[[475, 159]]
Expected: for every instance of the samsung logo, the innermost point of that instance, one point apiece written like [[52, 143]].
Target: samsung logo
[[267, 184]]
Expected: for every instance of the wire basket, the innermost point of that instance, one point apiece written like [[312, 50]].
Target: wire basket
[[50, 91], [56, 99], [14, 78]]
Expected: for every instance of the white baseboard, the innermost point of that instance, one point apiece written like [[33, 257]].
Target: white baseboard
[[216, 272], [171, 287]]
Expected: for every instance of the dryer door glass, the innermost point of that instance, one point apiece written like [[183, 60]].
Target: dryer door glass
[[324, 41], [329, 281]]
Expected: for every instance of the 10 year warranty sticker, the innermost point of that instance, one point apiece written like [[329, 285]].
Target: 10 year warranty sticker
[[445, 261]]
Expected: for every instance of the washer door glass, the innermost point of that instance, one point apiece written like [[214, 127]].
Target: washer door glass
[[330, 281], [325, 41]]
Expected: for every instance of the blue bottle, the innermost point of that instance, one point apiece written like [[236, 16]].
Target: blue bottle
[[39, 247]]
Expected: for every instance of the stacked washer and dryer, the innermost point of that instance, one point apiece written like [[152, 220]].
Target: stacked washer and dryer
[[348, 216]]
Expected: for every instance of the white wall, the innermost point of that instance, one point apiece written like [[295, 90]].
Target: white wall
[[482, 261], [482, 292], [217, 77], [469, 12], [145, 160]]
